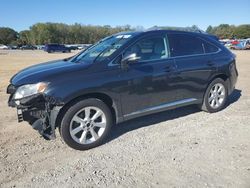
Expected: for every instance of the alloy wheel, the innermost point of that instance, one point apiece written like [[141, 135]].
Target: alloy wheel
[[88, 125], [217, 95]]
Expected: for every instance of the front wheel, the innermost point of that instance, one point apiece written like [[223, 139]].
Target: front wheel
[[86, 124], [215, 97]]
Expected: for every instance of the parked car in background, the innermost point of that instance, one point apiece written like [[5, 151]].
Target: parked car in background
[[40, 47], [248, 44], [241, 45], [83, 46], [3, 47], [28, 47], [50, 48], [235, 42], [121, 77], [13, 47], [73, 47], [228, 44], [223, 42]]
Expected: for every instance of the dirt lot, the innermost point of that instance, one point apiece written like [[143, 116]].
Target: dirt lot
[[177, 148]]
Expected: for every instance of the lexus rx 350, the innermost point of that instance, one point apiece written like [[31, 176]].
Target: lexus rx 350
[[121, 77]]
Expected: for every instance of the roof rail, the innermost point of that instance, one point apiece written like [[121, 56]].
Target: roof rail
[[188, 29]]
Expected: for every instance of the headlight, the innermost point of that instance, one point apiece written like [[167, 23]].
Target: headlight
[[30, 89]]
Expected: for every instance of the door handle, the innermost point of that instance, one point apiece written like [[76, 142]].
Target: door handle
[[210, 63], [168, 68]]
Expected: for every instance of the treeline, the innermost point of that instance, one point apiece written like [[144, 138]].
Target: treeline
[[226, 31], [43, 33]]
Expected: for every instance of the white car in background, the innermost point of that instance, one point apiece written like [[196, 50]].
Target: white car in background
[[3, 47], [83, 46]]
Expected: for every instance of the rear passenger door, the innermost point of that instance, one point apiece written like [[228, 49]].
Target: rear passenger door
[[194, 65]]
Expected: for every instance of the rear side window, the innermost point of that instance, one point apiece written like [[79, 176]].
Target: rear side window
[[210, 48], [184, 44]]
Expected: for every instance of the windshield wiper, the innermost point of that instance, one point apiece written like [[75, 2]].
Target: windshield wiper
[[67, 58]]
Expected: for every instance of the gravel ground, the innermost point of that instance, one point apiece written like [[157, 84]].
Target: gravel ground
[[178, 148]]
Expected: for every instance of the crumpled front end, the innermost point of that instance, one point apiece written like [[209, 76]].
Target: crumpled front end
[[40, 110]]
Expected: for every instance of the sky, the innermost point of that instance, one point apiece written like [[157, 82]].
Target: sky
[[21, 14]]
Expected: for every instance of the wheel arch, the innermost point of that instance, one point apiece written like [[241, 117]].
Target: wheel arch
[[222, 76], [101, 96]]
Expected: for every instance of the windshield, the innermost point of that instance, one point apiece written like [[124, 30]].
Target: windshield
[[102, 49]]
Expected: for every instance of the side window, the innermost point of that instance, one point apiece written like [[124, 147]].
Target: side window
[[184, 44], [210, 48], [151, 48]]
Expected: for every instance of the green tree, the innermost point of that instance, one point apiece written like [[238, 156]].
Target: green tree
[[24, 37], [209, 29], [7, 35], [42, 33], [242, 31], [230, 31]]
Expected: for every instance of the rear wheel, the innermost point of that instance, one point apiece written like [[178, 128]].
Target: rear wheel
[[86, 124], [215, 96]]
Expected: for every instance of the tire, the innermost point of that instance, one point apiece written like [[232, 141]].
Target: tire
[[215, 97], [79, 122]]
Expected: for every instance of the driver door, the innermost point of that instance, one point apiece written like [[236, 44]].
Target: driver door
[[147, 82]]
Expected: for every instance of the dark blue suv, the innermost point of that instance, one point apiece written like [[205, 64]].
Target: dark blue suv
[[56, 48], [121, 77]]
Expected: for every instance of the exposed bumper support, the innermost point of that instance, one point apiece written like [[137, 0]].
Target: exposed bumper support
[[40, 111], [46, 127], [53, 115]]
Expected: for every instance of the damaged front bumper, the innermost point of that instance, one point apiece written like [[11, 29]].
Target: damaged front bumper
[[40, 110]]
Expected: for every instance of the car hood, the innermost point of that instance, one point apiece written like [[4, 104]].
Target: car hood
[[45, 71]]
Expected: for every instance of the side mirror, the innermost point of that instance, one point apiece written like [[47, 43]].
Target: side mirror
[[130, 58]]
